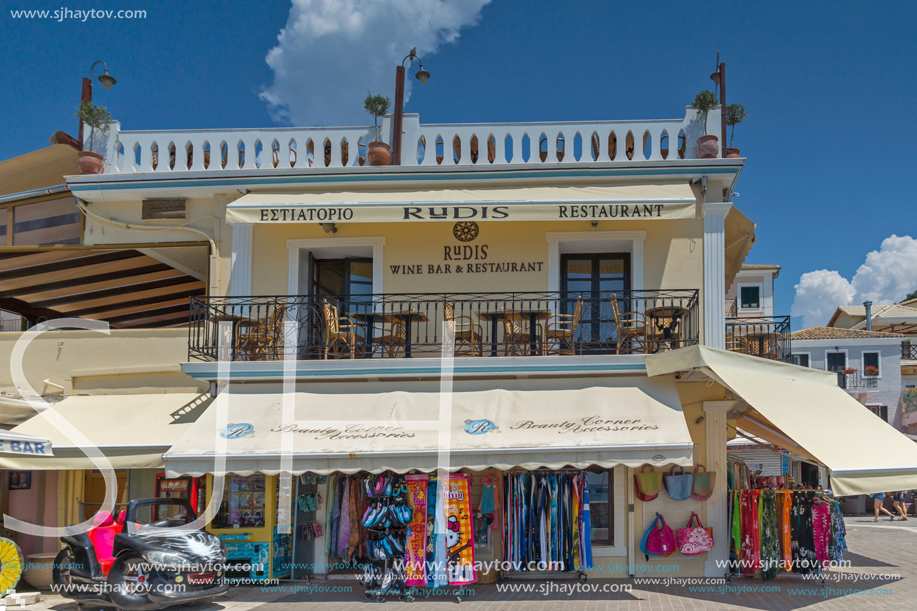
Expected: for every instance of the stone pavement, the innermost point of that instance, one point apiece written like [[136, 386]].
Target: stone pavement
[[883, 573]]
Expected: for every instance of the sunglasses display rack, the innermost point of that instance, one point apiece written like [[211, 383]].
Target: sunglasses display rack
[[385, 521]]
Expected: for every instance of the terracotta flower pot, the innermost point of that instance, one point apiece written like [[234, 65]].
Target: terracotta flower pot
[[89, 163], [379, 153], [707, 147], [732, 153], [38, 573]]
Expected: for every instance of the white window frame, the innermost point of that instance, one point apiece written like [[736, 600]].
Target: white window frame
[[838, 351], [878, 354], [294, 247], [760, 307], [808, 355], [595, 242]]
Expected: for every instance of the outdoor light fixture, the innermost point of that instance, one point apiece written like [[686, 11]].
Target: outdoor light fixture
[[398, 119], [107, 81], [329, 227]]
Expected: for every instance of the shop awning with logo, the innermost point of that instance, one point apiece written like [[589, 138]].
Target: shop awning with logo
[[629, 423], [803, 410], [16, 443], [132, 431], [610, 202]]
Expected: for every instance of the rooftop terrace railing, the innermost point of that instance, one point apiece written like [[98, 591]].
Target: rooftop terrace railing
[[412, 325], [443, 145]]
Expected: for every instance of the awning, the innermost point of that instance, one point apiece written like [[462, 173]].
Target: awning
[[17, 443], [739, 236], [804, 411], [133, 431], [619, 202], [625, 422]]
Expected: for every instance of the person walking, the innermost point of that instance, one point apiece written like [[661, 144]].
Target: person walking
[[879, 499], [899, 505]]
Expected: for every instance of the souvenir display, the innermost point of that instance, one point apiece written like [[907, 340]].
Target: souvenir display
[[658, 539], [678, 485], [781, 531], [417, 531], [547, 520], [694, 539], [647, 484], [702, 487], [456, 491]]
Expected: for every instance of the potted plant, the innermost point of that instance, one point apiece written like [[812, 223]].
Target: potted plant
[[96, 117], [871, 370], [735, 114], [849, 371], [377, 151], [707, 146]]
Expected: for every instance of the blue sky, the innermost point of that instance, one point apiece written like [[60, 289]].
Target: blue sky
[[829, 87]]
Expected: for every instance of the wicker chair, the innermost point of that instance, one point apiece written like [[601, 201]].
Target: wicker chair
[[393, 339], [560, 330], [341, 335], [467, 331], [262, 339], [516, 341], [631, 329]]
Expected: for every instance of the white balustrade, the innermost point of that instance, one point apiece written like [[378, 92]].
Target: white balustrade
[[322, 147]]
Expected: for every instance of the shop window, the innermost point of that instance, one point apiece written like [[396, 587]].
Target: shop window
[[601, 506], [243, 503], [871, 364], [879, 410], [162, 515], [750, 297], [801, 359]]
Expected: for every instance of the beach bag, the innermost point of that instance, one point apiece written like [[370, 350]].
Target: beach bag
[[658, 540], [647, 485], [702, 488], [679, 485], [696, 539]]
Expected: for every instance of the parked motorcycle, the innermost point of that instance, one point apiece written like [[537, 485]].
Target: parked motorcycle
[[141, 561]]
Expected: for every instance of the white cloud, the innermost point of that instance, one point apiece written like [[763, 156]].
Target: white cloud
[[818, 294], [332, 51], [887, 276]]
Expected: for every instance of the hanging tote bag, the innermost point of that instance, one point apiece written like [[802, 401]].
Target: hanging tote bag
[[702, 488], [694, 539], [658, 539], [647, 485], [678, 485]]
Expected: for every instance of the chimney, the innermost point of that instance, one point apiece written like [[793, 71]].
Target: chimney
[[868, 306]]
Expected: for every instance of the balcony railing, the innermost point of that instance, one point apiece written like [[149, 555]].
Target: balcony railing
[[445, 145], [766, 337], [732, 308], [412, 325], [855, 380], [908, 351]]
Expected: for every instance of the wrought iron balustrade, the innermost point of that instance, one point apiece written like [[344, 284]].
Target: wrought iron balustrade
[[856, 380], [412, 325], [765, 336]]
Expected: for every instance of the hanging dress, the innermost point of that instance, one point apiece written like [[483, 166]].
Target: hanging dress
[[737, 531], [770, 535], [586, 534], [785, 502], [821, 522], [751, 538], [838, 533]]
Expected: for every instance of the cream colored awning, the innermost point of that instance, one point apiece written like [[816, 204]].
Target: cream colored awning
[[133, 431], [618, 202], [739, 236], [627, 421], [17, 443], [796, 405]]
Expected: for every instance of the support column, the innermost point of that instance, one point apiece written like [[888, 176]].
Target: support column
[[715, 460], [715, 274], [240, 279]]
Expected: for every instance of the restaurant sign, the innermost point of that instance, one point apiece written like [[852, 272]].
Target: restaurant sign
[[287, 212]]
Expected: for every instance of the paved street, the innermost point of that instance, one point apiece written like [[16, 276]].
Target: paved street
[[878, 550]]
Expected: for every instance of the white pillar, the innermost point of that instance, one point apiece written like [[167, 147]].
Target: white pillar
[[240, 279], [715, 460], [715, 274]]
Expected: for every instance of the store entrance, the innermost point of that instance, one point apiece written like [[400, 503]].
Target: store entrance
[[94, 493]]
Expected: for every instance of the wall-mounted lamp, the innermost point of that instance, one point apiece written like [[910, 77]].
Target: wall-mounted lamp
[[699, 420], [329, 227], [594, 223]]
